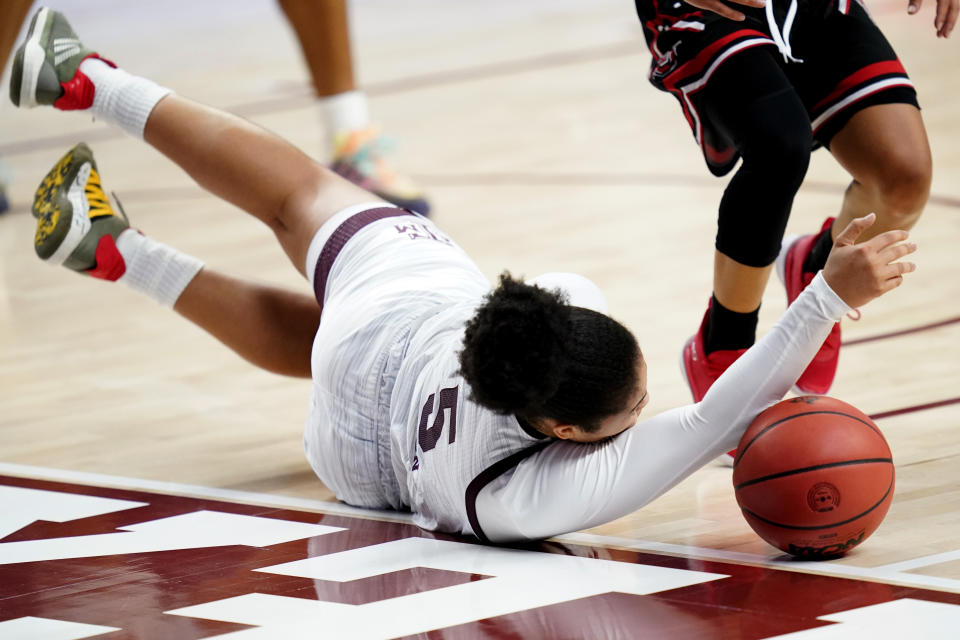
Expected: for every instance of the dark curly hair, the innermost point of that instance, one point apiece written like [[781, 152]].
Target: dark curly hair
[[527, 352]]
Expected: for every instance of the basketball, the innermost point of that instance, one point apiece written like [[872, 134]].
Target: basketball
[[813, 476]]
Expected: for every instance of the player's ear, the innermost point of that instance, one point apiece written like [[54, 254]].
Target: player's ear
[[565, 431]]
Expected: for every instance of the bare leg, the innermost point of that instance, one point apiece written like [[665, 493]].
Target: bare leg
[[253, 169], [270, 327], [885, 149], [12, 15], [736, 286], [275, 182], [11, 19], [243, 164], [354, 146], [324, 35]]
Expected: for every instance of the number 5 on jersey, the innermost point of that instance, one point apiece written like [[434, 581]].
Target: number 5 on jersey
[[429, 436]]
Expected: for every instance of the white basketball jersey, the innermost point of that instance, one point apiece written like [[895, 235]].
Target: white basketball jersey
[[443, 443], [465, 469]]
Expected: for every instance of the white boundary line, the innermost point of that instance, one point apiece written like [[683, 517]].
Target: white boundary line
[[925, 561], [895, 573], [197, 491]]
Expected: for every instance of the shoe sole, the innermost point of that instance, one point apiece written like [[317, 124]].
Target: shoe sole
[[78, 220], [75, 235], [68, 204], [31, 58]]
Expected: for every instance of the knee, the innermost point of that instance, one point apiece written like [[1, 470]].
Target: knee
[[783, 153], [903, 184], [297, 205]]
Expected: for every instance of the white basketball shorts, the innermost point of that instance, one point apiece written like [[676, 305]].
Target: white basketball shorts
[[378, 271]]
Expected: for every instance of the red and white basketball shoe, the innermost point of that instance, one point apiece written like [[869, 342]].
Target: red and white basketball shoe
[[818, 377], [46, 67], [701, 369]]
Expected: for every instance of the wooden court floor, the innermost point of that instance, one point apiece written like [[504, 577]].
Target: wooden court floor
[[543, 148]]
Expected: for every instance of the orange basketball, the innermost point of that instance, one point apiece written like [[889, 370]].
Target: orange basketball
[[813, 476]]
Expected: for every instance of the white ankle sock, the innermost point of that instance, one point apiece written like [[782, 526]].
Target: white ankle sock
[[155, 269], [121, 98], [344, 112]]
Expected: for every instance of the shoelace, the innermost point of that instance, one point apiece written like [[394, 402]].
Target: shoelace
[[99, 204]]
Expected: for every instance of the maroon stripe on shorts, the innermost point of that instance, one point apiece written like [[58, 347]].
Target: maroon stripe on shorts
[[338, 239]]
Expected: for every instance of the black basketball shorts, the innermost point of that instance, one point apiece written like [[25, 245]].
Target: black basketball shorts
[[847, 64]]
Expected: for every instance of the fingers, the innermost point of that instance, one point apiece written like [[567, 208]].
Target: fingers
[[904, 267], [946, 19], [890, 246], [895, 277], [727, 12], [721, 9], [895, 270], [891, 284], [883, 240], [897, 251], [892, 276], [853, 230]]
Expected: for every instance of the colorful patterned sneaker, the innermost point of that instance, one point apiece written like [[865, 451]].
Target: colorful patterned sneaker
[[701, 369], [819, 375], [358, 156], [46, 67], [76, 226]]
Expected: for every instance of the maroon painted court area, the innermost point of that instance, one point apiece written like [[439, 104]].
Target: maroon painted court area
[[132, 591]]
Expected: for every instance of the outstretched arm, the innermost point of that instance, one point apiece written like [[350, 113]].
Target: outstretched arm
[[571, 486]]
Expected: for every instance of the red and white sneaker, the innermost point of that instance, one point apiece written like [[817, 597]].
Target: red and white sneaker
[[818, 377], [46, 67], [701, 369]]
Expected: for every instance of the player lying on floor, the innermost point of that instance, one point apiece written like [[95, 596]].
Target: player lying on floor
[[508, 414]]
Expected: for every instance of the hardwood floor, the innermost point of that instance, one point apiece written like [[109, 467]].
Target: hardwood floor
[[543, 148]]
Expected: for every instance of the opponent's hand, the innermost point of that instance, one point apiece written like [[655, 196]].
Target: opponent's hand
[[858, 273], [721, 9], [946, 18]]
